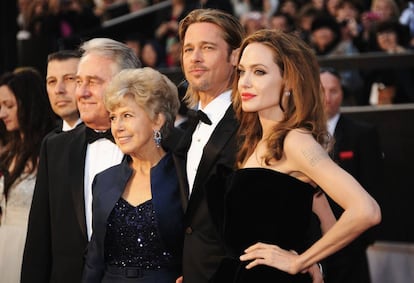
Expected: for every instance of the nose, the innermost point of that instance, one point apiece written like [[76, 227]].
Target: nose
[[82, 90], [3, 112], [60, 87], [196, 55], [117, 125], [244, 81]]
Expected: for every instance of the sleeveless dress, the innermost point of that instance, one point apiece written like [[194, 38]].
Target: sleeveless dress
[[13, 227], [259, 205]]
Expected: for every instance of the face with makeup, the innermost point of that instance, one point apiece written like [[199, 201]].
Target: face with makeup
[[132, 127], [260, 81]]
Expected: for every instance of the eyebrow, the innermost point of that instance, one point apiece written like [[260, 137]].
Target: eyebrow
[[252, 66], [91, 78], [200, 43], [64, 75]]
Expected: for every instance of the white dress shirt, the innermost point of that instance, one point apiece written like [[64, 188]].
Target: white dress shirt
[[66, 127], [332, 124], [100, 155], [215, 111]]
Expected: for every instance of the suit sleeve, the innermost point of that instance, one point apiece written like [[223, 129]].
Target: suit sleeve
[[36, 265], [370, 169], [370, 160]]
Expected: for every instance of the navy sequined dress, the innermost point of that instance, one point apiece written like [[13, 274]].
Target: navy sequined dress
[[132, 238], [135, 243], [257, 204]]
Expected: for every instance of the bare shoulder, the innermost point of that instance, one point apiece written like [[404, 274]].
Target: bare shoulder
[[302, 147]]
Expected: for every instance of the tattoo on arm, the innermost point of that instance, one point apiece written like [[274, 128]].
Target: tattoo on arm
[[314, 155]]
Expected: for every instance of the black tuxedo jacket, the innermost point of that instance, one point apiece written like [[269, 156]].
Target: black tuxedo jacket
[[108, 188], [57, 237], [203, 248], [357, 150]]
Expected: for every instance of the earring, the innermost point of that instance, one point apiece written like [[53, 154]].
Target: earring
[[157, 138], [287, 93]]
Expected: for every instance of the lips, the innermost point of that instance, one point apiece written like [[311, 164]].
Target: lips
[[62, 102], [6, 122], [122, 140], [197, 70], [247, 96]]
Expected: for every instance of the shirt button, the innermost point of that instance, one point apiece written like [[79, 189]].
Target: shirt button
[[188, 230]]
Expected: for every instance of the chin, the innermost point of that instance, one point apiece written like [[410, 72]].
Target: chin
[[248, 109]]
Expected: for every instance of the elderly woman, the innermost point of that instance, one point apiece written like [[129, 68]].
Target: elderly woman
[[137, 214]]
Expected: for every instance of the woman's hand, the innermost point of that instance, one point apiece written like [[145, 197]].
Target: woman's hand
[[273, 256]]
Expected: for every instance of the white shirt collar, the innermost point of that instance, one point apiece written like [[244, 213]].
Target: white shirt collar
[[66, 127], [332, 124], [216, 109]]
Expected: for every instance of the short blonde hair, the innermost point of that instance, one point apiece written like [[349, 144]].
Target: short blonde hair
[[150, 89]]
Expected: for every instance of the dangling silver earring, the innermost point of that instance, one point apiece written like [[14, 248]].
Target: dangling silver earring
[[157, 138], [287, 93]]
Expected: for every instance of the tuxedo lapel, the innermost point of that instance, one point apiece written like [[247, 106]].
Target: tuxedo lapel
[[180, 157], [225, 130], [76, 169], [339, 135]]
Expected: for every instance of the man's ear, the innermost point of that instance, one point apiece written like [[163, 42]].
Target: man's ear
[[233, 56]]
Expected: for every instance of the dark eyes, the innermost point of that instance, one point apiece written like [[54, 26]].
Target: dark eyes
[[125, 115], [259, 72], [256, 72]]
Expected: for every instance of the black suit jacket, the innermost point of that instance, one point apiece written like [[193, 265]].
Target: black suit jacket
[[203, 248], [357, 150], [108, 187], [56, 236]]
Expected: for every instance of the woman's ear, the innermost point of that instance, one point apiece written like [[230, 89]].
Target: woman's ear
[[159, 121]]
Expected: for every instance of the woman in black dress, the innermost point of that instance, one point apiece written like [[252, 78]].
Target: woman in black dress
[[265, 211]]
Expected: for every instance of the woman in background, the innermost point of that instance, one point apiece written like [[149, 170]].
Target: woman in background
[[27, 116]]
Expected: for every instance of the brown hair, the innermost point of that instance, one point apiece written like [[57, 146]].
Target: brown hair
[[232, 32], [303, 108]]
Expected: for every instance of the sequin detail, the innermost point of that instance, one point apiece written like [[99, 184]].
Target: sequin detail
[[132, 237]]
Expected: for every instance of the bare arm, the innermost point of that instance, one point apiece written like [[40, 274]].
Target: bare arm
[[361, 211], [323, 210]]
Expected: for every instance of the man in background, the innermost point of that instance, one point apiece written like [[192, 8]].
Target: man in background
[[357, 150], [61, 86]]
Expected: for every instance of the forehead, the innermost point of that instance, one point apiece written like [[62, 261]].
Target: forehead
[[6, 93], [62, 66], [203, 32], [95, 65], [257, 53], [328, 78]]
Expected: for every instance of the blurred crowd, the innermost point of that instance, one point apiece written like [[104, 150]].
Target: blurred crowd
[[330, 27]]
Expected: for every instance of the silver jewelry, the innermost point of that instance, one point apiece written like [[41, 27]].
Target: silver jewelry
[[287, 93], [157, 138]]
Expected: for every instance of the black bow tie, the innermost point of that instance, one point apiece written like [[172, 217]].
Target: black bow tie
[[92, 135], [199, 115]]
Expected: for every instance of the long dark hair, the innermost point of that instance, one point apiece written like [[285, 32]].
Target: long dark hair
[[35, 119]]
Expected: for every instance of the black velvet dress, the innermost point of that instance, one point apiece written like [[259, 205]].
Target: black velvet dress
[[257, 204]]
